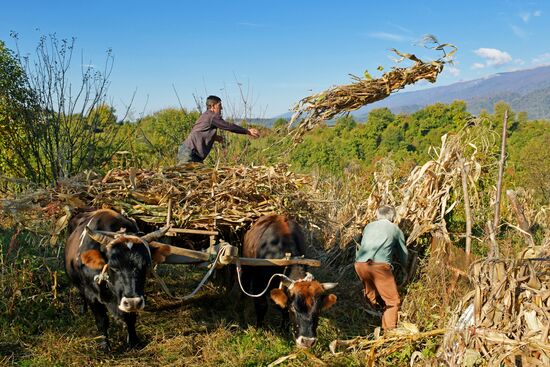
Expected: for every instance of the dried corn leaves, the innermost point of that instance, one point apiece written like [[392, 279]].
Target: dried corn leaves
[[506, 319], [202, 197], [345, 98]]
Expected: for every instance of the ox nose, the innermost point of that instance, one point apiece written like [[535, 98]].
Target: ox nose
[[131, 304], [305, 342]]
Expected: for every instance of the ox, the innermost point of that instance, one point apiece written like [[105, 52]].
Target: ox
[[301, 296], [110, 274]]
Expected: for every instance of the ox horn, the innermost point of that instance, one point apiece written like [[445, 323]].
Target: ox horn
[[155, 235], [98, 237], [328, 286], [309, 277]]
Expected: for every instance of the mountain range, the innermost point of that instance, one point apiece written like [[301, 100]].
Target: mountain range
[[524, 90]]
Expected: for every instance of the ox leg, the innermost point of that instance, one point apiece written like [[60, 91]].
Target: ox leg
[[240, 307], [84, 308], [102, 322], [260, 304], [284, 319], [130, 320]]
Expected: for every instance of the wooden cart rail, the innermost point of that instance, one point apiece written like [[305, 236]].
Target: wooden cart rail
[[180, 255]]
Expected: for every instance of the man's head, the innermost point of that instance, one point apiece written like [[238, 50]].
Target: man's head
[[386, 212], [214, 103]]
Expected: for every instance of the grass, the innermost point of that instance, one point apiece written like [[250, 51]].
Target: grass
[[42, 325]]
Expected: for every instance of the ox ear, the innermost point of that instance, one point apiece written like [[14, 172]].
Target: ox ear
[[92, 259], [329, 301], [279, 297], [159, 253], [328, 286]]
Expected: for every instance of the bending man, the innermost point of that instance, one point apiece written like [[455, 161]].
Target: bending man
[[382, 241]]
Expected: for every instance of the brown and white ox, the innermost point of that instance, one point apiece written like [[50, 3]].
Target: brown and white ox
[[301, 296], [110, 273]]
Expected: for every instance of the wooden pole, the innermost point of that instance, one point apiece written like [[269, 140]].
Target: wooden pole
[[520, 215], [169, 215], [467, 211], [494, 251], [199, 255], [502, 161]]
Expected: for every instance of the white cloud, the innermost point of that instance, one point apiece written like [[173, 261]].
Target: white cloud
[[526, 15], [388, 36], [543, 59], [401, 28], [453, 70], [493, 56], [478, 65], [520, 32]]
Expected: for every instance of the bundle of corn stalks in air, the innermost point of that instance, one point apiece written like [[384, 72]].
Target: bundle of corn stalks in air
[[202, 197], [345, 98], [505, 320]]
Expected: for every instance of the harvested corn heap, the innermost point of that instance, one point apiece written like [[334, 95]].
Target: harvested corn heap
[[202, 197], [506, 319]]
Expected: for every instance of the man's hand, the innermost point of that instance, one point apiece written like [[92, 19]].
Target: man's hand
[[254, 133]]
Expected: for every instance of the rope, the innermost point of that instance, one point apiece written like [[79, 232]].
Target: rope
[[103, 276], [201, 284], [239, 270], [209, 273]]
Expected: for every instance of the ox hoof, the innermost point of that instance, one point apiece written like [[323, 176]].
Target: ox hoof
[[135, 344]]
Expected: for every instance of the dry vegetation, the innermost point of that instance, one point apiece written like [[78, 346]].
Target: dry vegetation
[[45, 326], [345, 98], [504, 319]]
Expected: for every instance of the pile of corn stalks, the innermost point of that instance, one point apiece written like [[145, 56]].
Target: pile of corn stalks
[[422, 201], [506, 319], [378, 349], [202, 197], [345, 98]]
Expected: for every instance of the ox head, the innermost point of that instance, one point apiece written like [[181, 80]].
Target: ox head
[[305, 299], [126, 260]]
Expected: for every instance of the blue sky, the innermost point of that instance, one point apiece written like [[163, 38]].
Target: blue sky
[[279, 51]]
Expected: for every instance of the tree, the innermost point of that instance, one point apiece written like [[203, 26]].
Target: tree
[[55, 128], [158, 136], [18, 111]]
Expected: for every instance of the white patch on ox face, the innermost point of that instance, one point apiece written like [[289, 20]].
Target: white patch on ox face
[[131, 304], [130, 245]]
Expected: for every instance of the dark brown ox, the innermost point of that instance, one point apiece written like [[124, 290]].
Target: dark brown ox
[[301, 296], [110, 274]]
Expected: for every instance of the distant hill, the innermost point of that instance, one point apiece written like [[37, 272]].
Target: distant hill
[[524, 90]]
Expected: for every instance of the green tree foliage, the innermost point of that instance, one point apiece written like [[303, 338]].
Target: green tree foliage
[[52, 128], [18, 110], [404, 138], [158, 136], [529, 158]]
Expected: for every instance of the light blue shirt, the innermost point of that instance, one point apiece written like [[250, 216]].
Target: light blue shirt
[[382, 240]]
